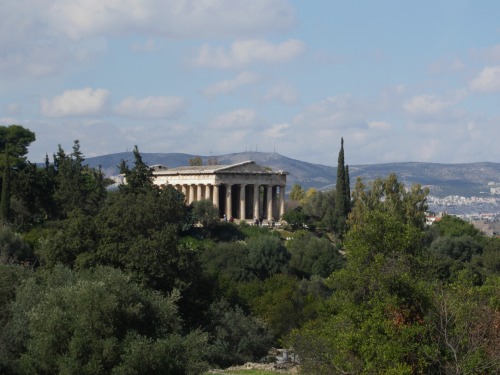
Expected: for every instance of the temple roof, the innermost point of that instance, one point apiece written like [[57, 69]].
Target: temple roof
[[244, 167]]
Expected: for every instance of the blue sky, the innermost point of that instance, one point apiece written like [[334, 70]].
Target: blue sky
[[399, 80]]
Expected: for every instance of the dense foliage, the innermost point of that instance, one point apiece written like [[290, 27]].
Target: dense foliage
[[133, 281]]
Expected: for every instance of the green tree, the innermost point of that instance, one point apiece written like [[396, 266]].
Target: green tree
[[196, 162], [297, 193], [452, 226], [454, 245], [320, 207], [464, 327], [342, 196], [267, 255], [374, 320], [137, 233], [12, 247], [458, 248], [280, 304], [11, 277], [311, 255], [75, 245], [491, 255], [99, 322], [296, 218], [391, 196], [32, 199], [236, 337], [206, 213], [282, 301], [14, 142], [77, 185], [227, 262], [139, 178]]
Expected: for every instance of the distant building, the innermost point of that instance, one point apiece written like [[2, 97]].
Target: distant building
[[432, 217], [243, 191]]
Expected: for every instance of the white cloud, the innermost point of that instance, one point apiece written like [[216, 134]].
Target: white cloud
[[284, 93], [148, 46], [379, 125], [42, 37], [399, 89], [151, 107], [490, 54], [84, 102], [34, 60], [446, 66], [336, 112], [14, 108], [83, 18], [277, 131], [488, 80], [228, 86], [31, 42], [8, 121], [246, 52], [426, 105], [237, 119], [169, 19]]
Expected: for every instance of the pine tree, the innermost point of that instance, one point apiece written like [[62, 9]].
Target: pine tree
[[139, 178], [78, 185]]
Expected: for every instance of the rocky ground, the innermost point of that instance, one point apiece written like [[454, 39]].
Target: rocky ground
[[286, 368]]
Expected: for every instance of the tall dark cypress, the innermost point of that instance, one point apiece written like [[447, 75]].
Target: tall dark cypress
[[348, 189], [5, 197], [342, 200]]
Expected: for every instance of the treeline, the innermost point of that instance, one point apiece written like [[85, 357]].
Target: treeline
[[123, 282]]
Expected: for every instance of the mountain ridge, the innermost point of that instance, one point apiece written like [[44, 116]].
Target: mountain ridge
[[468, 179]]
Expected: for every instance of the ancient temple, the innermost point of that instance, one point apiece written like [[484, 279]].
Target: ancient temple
[[243, 191]]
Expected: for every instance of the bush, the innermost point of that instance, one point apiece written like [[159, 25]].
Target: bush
[[236, 337]]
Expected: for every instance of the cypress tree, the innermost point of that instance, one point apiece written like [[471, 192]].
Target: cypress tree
[[5, 197], [348, 189], [342, 196], [14, 142]]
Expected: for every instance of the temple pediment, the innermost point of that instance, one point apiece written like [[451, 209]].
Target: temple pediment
[[247, 167]]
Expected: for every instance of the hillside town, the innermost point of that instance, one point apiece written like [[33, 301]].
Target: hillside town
[[482, 212]]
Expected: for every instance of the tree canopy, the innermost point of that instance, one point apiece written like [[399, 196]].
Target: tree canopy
[[14, 142], [127, 281]]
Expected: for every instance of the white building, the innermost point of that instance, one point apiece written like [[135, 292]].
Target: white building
[[243, 191]]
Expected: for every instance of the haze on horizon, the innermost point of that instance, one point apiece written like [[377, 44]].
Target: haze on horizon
[[400, 81]]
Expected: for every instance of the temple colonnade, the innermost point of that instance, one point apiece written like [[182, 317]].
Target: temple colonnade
[[243, 191], [239, 201]]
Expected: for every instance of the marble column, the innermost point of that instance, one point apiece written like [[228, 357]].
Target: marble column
[[215, 196], [242, 202], [229, 211], [208, 192], [185, 192], [190, 194], [199, 194], [282, 200], [256, 197], [269, 202]]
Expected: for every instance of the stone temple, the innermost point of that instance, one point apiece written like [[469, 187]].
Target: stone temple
[[242, 191]]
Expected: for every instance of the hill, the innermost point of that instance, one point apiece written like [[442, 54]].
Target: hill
[[443, 179]]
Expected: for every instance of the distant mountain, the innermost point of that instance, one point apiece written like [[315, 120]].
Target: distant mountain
[[469, 179], [306, 174], [442, 179]]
